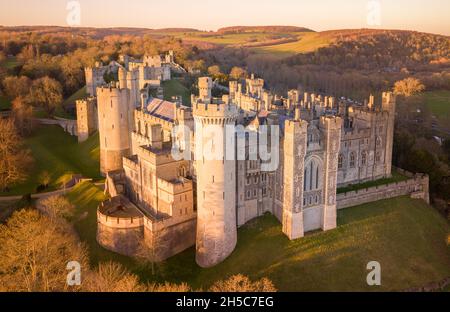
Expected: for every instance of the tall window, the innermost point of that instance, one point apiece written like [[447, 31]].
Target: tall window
[[378, 157], [363, 158], [340, 161], [352, 160], [312, 177]]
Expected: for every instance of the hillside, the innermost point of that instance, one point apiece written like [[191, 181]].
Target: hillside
[[257, 29], [406, 236]]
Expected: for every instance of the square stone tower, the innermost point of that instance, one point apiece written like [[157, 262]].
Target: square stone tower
[[295, 139], [331, 127], [87, 122]]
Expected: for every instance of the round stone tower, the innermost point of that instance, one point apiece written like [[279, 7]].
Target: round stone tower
[[113, 125], [216, 180]]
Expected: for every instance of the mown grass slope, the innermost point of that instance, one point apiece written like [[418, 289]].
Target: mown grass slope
[[407, 237], [58, 153]]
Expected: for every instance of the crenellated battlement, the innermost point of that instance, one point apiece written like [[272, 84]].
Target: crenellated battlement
[[217, 109], [331, 122]]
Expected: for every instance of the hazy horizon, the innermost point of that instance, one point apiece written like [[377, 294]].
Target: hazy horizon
[[415, 15]]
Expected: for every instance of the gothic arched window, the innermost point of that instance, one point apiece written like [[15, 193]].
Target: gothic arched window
[[363, 158], [340, 161], [312, 177], [352, 160]]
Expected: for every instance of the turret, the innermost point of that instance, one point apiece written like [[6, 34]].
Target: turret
[[216, 179], [205, 86], [114, 128], [233, 88], [86, 118], [295, 146], [371, 104], [122, 78], [331, 127], [388, 104]]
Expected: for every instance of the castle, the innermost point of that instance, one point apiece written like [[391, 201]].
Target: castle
[[165, 204]]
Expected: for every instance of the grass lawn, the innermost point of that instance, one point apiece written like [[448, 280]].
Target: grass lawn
[[80, 94], [308, 42], [4, 103], [438, 102], [57, 152], [239, 38], [406, 236], [396, 177], [174, 87], [86, 197], [10, 63]]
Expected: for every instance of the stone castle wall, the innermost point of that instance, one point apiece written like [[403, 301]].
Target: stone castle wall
[[416, 187], [127, 236]]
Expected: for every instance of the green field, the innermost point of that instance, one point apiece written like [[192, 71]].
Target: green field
[[406, 236], [57, 152], [239, 38], [70, 102], [438, 102], [308, 42], [174, 87], [86, 197]]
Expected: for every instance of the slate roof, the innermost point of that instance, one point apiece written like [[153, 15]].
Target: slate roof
[[161, 109]]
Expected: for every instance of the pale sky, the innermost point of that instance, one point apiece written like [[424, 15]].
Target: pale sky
[[422, 15]]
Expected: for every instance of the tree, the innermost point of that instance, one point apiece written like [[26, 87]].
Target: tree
[[111, 277], [241, 283], [214, 71], [16, 86], [408, 87], [45, 178], [14, 159], [56, 207], [46, 93], [148, 250], [238, 73], [22, 114], [35, 253], [168, 287]]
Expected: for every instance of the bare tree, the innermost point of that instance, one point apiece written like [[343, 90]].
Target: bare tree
[[56, 207], [22, 114], [408, 87], [16, 86], [148, 250], [111, 277], [46, 93], [241, 283], [35, 252], [238, 73], [168, 287], [14, 159]]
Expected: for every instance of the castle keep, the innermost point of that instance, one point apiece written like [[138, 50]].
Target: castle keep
[[164, 204]]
